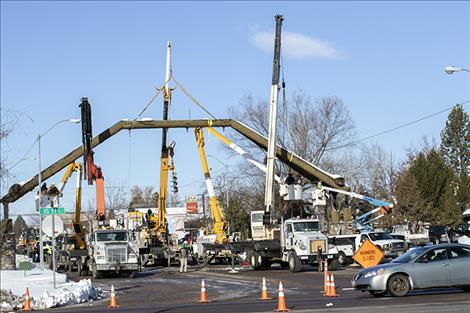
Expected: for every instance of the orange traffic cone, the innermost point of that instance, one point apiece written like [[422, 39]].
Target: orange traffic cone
[[281, 303], [27, 301], [203, 298], [264, 291], [325, 282], [331, 288], [112, 302]]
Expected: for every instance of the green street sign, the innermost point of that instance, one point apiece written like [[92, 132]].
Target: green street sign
[[50, 211]]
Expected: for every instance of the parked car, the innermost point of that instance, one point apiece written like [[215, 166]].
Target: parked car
[[443, 265]]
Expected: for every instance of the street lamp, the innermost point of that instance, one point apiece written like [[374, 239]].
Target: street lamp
[[452, 69], [41, 249]]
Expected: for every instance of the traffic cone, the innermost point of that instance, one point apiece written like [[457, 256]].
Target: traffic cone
[[325, 277], [281, 303], [264, 291], [331, 291], [203, 298], [112, 302], [27, 301]]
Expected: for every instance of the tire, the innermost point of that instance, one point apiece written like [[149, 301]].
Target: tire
[[294, 263], [398, 285], [376, 293], [254, 256], [343, 259]]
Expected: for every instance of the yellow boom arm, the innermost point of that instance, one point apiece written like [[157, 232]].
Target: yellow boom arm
[[220, 225], [77, 226]]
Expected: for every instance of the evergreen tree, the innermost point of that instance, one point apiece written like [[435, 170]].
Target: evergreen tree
[[455, 145], [425, 190]]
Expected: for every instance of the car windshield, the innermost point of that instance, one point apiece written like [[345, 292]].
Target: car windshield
[[306, 226], [112, 236], [409, 255], [380, 236]]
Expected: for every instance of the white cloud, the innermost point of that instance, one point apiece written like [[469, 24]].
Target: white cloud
[[295, 45]]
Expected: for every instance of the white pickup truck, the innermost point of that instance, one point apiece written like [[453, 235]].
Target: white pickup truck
[[347, 245]]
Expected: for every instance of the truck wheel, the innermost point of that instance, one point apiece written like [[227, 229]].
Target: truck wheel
[[254, 256], [342, 258], [398, 285], [294, 262]]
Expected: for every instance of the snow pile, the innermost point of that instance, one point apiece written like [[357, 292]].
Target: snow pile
[[10, 301], [41, 289], [80, 292]]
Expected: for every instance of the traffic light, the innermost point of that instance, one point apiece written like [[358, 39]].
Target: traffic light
[[175, 182]]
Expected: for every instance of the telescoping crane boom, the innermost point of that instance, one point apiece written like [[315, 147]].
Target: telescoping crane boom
[[160, 222], [92, 172], [220, 224]]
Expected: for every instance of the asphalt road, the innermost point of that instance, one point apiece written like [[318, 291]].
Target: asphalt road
[[166, 290]]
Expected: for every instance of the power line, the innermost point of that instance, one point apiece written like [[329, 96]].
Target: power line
[[395, 128]]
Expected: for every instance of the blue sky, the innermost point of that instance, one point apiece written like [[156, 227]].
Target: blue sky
[[384, 59]]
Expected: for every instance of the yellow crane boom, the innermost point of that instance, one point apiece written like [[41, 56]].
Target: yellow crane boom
[[77, 226], [220, 224]]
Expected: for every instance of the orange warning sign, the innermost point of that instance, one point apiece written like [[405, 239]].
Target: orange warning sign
[[368, 254]]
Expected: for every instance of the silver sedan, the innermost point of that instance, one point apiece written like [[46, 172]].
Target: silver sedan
[[444, 265]]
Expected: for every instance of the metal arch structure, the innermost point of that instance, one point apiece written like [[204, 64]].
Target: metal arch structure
[[303, 167]]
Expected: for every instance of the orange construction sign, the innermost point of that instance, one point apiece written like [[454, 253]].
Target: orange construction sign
[[368, 254]]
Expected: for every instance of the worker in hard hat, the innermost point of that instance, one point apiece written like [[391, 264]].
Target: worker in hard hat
[[184, 257]]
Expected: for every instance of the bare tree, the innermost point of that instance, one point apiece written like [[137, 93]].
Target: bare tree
[[311, 130], [143, 197], [116, 196]]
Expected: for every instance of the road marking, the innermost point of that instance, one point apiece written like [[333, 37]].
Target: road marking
[[347, 288]]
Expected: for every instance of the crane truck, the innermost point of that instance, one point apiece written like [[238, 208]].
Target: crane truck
[[107, 249]]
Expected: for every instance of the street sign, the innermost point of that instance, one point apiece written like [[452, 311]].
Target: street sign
[[368, 254], [49, 211], [191, 205], [47, 225]]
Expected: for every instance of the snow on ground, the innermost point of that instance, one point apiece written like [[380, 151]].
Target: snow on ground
[[41, 289]]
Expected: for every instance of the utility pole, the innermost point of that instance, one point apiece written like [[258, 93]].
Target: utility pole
[[269, 212]]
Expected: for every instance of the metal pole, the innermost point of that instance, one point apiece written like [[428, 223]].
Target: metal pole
[[41, 249], [53, 249], [271, 149]]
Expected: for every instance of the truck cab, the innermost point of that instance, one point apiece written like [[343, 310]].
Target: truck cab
[[305, 243], [113, 250], [294, 243]]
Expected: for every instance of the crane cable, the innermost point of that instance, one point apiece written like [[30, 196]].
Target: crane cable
[[194, 100], [153, 98]]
